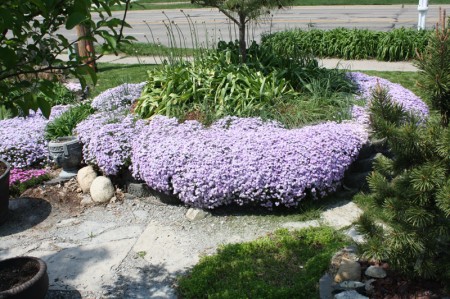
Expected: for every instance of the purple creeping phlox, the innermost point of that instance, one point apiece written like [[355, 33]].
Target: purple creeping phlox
[[400, 95], [17, 176], [106, 138], [244, 160], [120, 96], [239, 160], [23, 144]]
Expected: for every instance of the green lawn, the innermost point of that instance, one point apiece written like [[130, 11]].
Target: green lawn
[[111, 75], [281, 265]]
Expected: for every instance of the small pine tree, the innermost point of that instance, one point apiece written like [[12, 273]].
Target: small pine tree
[[434, 68], [411, 189]]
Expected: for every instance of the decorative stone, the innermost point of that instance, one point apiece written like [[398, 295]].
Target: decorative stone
[[325, 288], [355, 235], [86, 201], [138, 189], [368, 286], [196, 214], [350, 284], [376, 272], [85, 177], [350, 295], [348, 270], [102, 189], [356, 180]]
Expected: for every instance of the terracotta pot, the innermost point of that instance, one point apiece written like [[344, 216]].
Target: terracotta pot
[[4, 192], [34, 275], [67, 153]]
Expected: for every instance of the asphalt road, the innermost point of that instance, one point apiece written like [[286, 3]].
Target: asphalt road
[[211, 26]]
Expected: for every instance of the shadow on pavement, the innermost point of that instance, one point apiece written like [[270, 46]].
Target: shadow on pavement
[[151, 281], [24, 213]]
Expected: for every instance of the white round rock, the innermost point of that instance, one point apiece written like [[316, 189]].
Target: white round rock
[[102, 189], [85, 177]]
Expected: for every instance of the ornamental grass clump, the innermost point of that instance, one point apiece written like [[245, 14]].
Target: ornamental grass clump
[[23, 144], [243, 160]]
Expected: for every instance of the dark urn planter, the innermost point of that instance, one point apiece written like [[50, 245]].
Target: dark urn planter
[[66, 152], [4, 190], [23, 278]]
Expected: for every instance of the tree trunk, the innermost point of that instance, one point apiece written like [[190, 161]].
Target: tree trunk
[[86, 47], [242, 44]]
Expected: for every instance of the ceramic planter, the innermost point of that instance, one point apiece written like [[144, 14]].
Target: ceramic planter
[[4, 192], [66, 152], [23, 278]]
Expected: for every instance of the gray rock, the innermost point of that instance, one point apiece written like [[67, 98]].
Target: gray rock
[[138, 189], [301, 224], [87, 200], [368, 286], [376, 272], [102, 189], [366, 151], [362, 165], [325, 288], [348, 270], [350, 295], [85, 177], [196, 214], [355, 235], [351, 284], [356, 180]]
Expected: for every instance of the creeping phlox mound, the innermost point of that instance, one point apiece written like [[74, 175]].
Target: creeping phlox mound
[[120, 96], [22, 141], [244, 160], [399, 95], [106, 139], [106, 135]]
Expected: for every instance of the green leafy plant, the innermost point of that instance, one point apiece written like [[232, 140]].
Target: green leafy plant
[[30, 46], [281, 265], [62, 96], [395, 45], [66, 122], [216, 84], [411, 191]]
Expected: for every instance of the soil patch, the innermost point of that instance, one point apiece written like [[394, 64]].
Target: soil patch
[[63, 197], [397, 286], [16, 272]]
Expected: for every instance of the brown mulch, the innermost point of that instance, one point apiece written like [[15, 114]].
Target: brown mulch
[[63, 197], [396, 286]]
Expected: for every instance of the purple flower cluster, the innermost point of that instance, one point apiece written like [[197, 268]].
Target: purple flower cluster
[[106, 138], [400, 95], [73, 86], [23, 144], [19, 176], [243, 160], [120, 96]]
